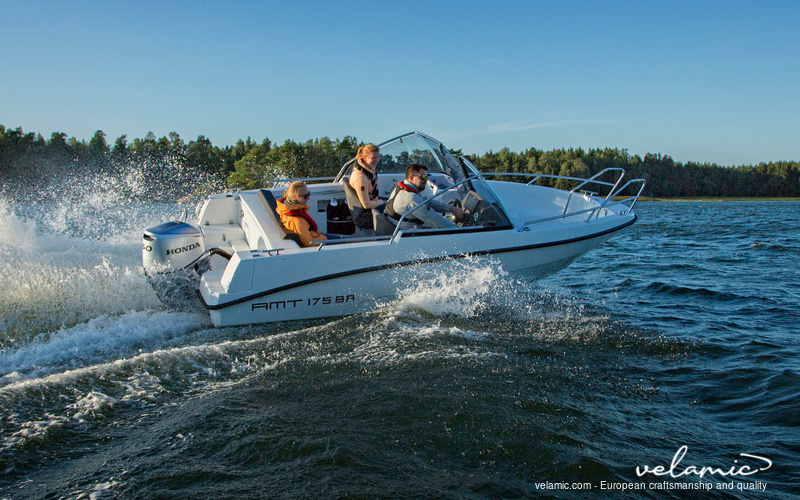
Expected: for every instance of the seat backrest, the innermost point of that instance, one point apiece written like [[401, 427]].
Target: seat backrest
[[271, 206], [384, 226], [350, 195]]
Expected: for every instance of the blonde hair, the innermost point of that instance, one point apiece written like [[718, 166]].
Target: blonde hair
[[366, 149], [292, 191]]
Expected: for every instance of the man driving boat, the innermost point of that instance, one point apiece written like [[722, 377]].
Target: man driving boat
[[408, 195]]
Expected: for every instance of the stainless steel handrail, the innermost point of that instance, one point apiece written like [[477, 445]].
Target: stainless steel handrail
[[615, 191], [604, 205], [340, 176], [598, 174], [635, 198], [344, 241], [536, 177], [307, 180], [592, 179], [555, 217]]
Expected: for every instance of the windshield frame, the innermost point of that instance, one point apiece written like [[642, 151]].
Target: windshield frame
[[443, 161]]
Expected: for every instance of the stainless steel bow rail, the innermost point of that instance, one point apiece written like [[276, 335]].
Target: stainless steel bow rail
[[608, 202]]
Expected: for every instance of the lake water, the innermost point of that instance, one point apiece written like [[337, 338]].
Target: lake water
[[674, 345]]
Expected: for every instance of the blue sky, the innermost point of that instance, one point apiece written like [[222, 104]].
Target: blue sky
[[699, 81]]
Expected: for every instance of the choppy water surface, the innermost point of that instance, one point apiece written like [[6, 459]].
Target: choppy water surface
[[682, 331]]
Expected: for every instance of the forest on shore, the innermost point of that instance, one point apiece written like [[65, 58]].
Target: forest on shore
[[168, 168]]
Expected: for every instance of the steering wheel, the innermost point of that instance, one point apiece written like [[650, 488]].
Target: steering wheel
[[466, 217]]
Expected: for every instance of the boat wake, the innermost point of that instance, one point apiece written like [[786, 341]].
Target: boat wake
[[464, 288], [55, 281], [97, 341]]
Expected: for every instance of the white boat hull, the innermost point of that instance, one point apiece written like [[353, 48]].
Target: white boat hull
[[351, 285]]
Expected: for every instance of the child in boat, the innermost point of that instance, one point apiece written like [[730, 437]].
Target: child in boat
[[293, 210]]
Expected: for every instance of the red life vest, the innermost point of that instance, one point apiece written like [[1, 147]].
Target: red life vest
[[391, 212], [303, 214], [402, 185]]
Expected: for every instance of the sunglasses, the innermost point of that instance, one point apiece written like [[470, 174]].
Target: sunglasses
[[306, 196], [423, 177]]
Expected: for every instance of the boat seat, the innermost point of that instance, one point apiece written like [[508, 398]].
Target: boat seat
[[350, 194], [384, 226], [271, 206]]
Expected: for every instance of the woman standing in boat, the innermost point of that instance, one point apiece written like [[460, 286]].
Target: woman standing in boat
[[293, 210], [364, 181]]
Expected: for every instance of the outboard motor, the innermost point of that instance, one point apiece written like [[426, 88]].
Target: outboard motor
[[171, 246]]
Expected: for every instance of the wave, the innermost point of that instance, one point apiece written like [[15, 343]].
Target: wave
[[665, 288], [85, 375], [57, 278], [98, 340]]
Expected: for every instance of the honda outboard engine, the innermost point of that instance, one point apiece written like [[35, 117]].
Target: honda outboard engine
[[171, 246]]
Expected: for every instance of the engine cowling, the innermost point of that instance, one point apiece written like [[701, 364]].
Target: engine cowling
[[171, 246]]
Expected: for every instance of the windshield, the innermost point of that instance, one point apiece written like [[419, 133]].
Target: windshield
[[415, 147], [399, 153], [451, 181]]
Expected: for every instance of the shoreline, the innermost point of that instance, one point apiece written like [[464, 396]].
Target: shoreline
[[716, 199]]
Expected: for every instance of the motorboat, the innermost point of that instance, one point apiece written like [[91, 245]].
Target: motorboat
[[249, 269]]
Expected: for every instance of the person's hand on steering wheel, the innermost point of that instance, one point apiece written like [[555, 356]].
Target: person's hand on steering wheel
[[456, 210]]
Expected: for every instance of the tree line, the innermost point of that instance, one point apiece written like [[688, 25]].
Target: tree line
[[158, 169], [666, 178], [168, 168]]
